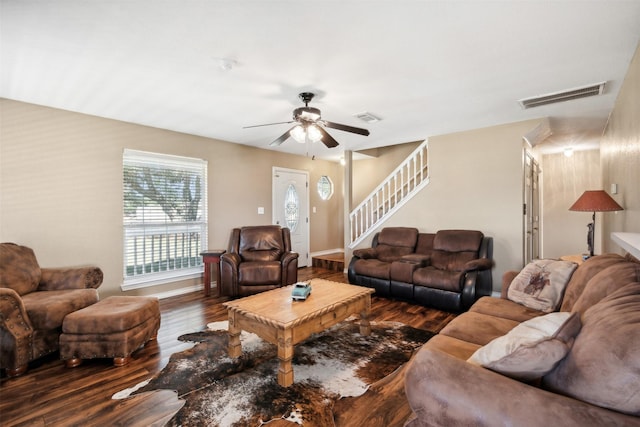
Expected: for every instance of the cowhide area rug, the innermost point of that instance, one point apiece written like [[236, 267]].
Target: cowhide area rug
[[334, 364]]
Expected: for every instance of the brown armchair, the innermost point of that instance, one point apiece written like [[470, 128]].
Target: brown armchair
[[259, 258], [34, 302]]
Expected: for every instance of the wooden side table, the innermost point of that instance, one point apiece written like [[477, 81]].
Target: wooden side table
[[209, 257]]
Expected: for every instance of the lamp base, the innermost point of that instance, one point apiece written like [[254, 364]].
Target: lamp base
[[590, 233]]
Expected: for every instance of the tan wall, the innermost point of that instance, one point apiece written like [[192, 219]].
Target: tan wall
[[475, 183], [564, 179], [61, 187], [620, 157]]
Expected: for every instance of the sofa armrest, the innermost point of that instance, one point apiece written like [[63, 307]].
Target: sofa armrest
[[289, 262], [444, 391], [16, 330], [478, 264], [366, 253], [55, 279], [229, 273], [507, 278], [419, 259]]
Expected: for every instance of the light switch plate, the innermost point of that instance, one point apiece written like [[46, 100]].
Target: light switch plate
[[260, 210]]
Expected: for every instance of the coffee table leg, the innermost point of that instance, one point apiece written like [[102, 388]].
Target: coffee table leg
[[285, 354], [235, 347], [365, 326]]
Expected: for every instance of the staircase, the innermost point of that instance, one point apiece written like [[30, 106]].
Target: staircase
[[399, 187]]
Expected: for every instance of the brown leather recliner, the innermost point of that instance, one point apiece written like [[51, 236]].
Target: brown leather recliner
[[259, 258], [34, 302]]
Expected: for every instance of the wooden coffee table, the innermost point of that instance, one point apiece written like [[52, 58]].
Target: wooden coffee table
[[276, 318]]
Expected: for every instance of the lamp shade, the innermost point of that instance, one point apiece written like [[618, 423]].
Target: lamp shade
[[595, 201]]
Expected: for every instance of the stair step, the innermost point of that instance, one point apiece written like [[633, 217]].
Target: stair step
[[333, 262]]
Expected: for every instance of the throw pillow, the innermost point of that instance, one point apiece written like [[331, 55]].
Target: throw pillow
[[540, 285], [531, 349]]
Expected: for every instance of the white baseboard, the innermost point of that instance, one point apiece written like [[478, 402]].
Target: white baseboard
[[327, 252], [180, 291]]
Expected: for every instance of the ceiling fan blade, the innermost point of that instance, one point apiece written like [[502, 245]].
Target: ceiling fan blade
[[267, 124], [327, 139], [281, 139], [346, 128]]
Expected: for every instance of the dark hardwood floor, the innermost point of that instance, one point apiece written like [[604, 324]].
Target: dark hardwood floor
[[50, 394]]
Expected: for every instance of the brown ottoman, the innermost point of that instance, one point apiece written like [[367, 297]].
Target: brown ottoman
[[111, 328]]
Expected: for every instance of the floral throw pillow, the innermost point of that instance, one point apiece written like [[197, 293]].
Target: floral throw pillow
[[540, 285]]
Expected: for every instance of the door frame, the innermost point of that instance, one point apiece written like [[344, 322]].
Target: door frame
[[307, 202]]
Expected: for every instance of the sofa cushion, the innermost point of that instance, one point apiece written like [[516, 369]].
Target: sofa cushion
[[372, 268], [478, 328], [398, 236], [541, 284], [438, 279], [505, 309], [47, 309], [531, 349], [452, 346], [458, 240], [606, 282], [260, 273], [394, 242], [583, 274], [603, 367], [19, 268], [261, 243]]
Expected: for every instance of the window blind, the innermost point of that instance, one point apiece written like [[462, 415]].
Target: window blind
[[164, 216]]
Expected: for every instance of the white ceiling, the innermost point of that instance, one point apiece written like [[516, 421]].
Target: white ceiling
[[425, 67]]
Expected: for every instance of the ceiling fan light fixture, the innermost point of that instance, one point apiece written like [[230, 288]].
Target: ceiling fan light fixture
[[313, 133], [299, 134], [306, 133]]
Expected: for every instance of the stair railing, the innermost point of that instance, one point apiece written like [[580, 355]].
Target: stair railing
[[399, 187]]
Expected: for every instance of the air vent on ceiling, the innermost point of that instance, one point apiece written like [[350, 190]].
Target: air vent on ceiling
[[367, 117], [567, 95]]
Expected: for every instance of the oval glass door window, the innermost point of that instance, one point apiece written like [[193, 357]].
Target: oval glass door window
[[291, 207], [325, 187]]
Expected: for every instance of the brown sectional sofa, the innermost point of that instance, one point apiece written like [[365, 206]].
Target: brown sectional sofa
[[596, 383], [448, 270]]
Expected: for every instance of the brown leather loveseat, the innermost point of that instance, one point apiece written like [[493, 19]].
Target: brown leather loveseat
[[448, 270], [259, 258], [33, 303]]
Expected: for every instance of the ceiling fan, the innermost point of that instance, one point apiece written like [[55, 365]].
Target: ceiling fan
[[310, 126]]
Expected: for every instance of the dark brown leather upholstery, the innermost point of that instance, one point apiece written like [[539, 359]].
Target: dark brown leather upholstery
[[34, 303], [259, 258], [449, 270]]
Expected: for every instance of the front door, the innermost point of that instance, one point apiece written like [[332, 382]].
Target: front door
[[290, 196]]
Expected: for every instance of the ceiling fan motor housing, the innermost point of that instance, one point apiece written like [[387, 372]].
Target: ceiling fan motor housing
[[308, 114]]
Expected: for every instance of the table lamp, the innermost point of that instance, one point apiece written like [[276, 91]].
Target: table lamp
[[594, 201]]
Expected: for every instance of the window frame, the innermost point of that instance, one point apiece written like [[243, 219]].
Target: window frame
[[181, 231], [325, 182]]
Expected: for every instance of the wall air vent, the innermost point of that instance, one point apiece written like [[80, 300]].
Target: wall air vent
[[367, 117], [567, 95]]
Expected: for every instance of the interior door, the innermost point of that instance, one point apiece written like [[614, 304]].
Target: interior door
[[531, 209], [290, 196]]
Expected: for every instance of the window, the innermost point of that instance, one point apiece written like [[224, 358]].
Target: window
[[164, 217], [325, 187], [292, 207]]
